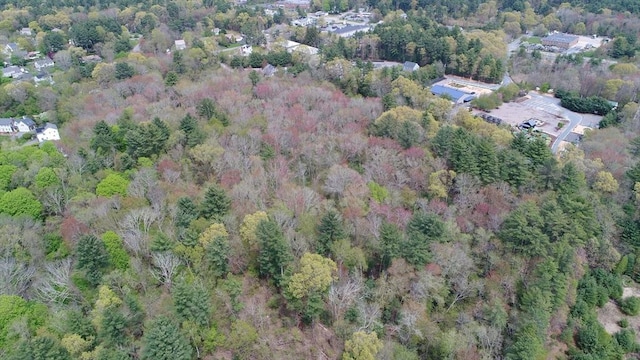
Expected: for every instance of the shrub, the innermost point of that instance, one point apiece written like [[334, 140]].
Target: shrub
[[630, 306]]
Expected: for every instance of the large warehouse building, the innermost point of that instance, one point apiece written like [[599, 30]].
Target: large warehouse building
[[563, 41]]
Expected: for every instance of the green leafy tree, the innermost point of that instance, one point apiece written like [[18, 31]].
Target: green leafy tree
[[6, 174], [12, 308], [40, 347], [163, 341], [216, 204], [53, 42], [20, 202], [92, 258], [275, 255], [362, 346], [113, 184], [118, 256], [192, 303], [329, 231], [46, 177]]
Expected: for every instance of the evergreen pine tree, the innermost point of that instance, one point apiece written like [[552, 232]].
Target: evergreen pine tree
[[92, 258], [330, 229], [488, 168], [186, 211], [391, 239], [217, 256], [163, 341], [215, 204], [275, 255], [192, 303]]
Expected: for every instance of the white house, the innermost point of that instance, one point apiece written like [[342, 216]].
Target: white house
[[44, 63], [6, 125], [42, 77], [246, 50], [180, 44], [24, 125], [48, 132], [26, 32], [410, 66], [12, 71], [10, 48]]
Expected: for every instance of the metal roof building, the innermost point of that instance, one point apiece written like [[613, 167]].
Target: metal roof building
[[456, 96]]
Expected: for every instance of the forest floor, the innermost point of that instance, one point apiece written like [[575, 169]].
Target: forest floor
[[609, 315]]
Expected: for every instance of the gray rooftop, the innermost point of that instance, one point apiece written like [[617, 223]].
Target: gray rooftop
[[560, 37], [5, 121]]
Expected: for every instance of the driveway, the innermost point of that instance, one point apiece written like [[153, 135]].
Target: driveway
[[552, 105]]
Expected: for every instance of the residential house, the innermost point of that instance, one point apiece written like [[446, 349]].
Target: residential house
[[234, 38], [42, 77], [26, 32], [48, 132], [410, 66], [42, 64], [91, 58], [216, 31], [12, 71], [180, 44], [11, 48], [25, 76], [269, 70], [24, 125], [303, 22], [32, 55], [6, 125], [246, 50]]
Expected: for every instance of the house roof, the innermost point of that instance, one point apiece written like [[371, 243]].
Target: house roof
[[27, 121], [454, 94], [6, 122], [269, 70], [43, 62], [409, 66], [351, 28], [13, 46], [560, 37], [50, 126], [10, 69], [573, 138]]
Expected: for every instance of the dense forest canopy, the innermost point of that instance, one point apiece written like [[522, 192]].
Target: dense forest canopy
[[199, 206]]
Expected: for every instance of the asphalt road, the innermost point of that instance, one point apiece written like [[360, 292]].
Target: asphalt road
[[552, 105]]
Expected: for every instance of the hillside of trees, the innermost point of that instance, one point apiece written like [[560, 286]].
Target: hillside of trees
[[196, 208]]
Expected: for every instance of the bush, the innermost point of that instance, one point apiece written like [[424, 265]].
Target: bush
[[623, 323], [630, 306], [626, 338]]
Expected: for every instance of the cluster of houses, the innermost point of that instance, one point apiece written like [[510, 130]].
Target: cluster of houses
[[48, 132], [40, 64]]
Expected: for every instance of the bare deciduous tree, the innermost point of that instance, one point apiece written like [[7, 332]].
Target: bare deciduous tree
[[15, 277], [166, 265], [55, 286], [344, 293]]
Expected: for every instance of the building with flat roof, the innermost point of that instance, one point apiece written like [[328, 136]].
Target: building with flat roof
[[563, 41], [457, 96]]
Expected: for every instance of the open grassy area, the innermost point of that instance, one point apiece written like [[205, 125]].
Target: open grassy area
[[533, 40]]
